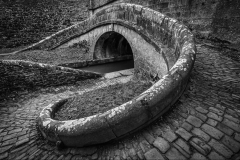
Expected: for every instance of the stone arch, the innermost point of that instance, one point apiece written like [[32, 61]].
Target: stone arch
[[111, 44]]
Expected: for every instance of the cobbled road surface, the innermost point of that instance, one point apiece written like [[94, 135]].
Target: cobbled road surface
[[203, 124]]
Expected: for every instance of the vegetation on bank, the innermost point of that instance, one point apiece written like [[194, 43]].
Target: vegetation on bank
[[24, 22]]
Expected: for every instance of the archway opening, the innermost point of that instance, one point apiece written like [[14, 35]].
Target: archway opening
[[114, 52], [112, 44]]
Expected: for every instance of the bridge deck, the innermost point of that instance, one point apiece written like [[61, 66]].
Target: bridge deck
[[203, 123], [55, 57]]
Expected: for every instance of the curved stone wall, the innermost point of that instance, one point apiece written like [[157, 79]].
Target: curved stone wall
[[166, 38]]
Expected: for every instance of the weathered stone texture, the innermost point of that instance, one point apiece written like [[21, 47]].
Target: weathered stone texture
[[162, 49]]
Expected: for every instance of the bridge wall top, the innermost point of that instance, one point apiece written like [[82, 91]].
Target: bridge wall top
[[94, 4]]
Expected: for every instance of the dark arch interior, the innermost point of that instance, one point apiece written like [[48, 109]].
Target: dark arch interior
[[111, 44], [114, 46]]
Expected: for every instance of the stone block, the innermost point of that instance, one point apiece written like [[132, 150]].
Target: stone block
[[153, 154], [182, 151], [213, 155], [212, 122], [183, 145], [3, 155], [237, 137], [225, 129], [200, 146], [15, 131], [217, 111], [215, 116], [23, 141], [187, 126], [9, 142], [202, 110], [149, 137], [201, 116], [140, 155], [145, 146], [173, 154], [198, 156], [231, 143], [198, 132], [170, 136], [212, 131], [231, 124], [194, 121], [232, 118], [184, 134], [219, 147], [218, 106], [161, 144], [231, 112], [4, 149]]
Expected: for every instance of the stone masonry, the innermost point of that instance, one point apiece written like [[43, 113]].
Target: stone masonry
[[216, 20], [203, 124]]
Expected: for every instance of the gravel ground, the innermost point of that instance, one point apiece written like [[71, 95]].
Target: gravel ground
[[100, 100]]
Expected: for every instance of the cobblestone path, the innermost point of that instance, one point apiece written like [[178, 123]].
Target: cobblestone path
[[203, 124]]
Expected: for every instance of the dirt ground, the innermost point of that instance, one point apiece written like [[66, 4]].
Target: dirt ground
[[100, 100]]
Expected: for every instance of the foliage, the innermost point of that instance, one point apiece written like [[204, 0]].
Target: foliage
[[27, 21]]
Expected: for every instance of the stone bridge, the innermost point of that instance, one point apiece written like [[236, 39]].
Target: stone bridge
[[163, 51], [154, 40], [204, 122]]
